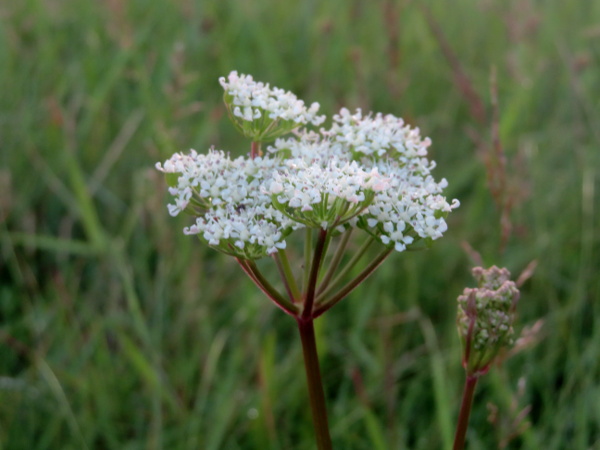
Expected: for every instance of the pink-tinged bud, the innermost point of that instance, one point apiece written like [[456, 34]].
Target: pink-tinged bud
[[485, 318]]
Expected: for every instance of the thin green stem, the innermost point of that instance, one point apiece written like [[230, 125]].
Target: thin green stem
[[263, 284], [327, 304], [324, 251], [347, 268], [284, 279], [309, 299], [307, 256], [287, 275], [244, 265], [315, 385], [335, 262], [281, 301], [465, 411]]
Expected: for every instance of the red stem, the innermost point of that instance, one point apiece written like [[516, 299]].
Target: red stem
[[465, 411], [254, 149], [267, 289], [309, 300], [315, 385], [322, 307]]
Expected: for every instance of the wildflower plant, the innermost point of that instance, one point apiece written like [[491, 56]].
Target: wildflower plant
[[485, 327], [365, 173]]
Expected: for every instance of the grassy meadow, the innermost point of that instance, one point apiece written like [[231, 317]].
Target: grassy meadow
[[119, 332]]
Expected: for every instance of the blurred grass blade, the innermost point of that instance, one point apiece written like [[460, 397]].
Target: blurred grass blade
[[376, 433], [60, 395], [148, 372], [52, 243], [444, 410]]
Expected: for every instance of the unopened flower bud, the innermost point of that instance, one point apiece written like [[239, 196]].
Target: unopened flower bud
[[485, 318]]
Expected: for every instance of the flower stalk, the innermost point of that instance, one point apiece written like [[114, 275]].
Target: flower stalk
[[249, 267], [309, 298], [287, 275], [255, 150], [326, 288], [335, 262], [316, 393], [465, 412], [373, 265]]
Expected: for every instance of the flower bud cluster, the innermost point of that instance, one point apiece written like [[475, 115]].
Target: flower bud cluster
[[485, 317], [369, 172]]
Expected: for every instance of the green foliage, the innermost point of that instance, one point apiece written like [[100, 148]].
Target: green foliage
[[117, 331]]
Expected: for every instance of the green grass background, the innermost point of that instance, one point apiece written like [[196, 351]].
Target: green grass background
[[119, 332]]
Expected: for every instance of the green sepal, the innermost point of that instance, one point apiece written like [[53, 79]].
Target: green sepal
[[440, 214], [172, 179]]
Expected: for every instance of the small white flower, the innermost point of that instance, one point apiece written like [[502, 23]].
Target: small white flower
[[276, 187]]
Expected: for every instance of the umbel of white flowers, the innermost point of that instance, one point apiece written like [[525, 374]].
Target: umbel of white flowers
[[485, 317], [366, 171]]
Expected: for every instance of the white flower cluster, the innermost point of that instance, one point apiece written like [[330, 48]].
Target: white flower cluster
[[232, 210], [378, 135], [259, 110], [324, 193], [412, 206], [366, 171]]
